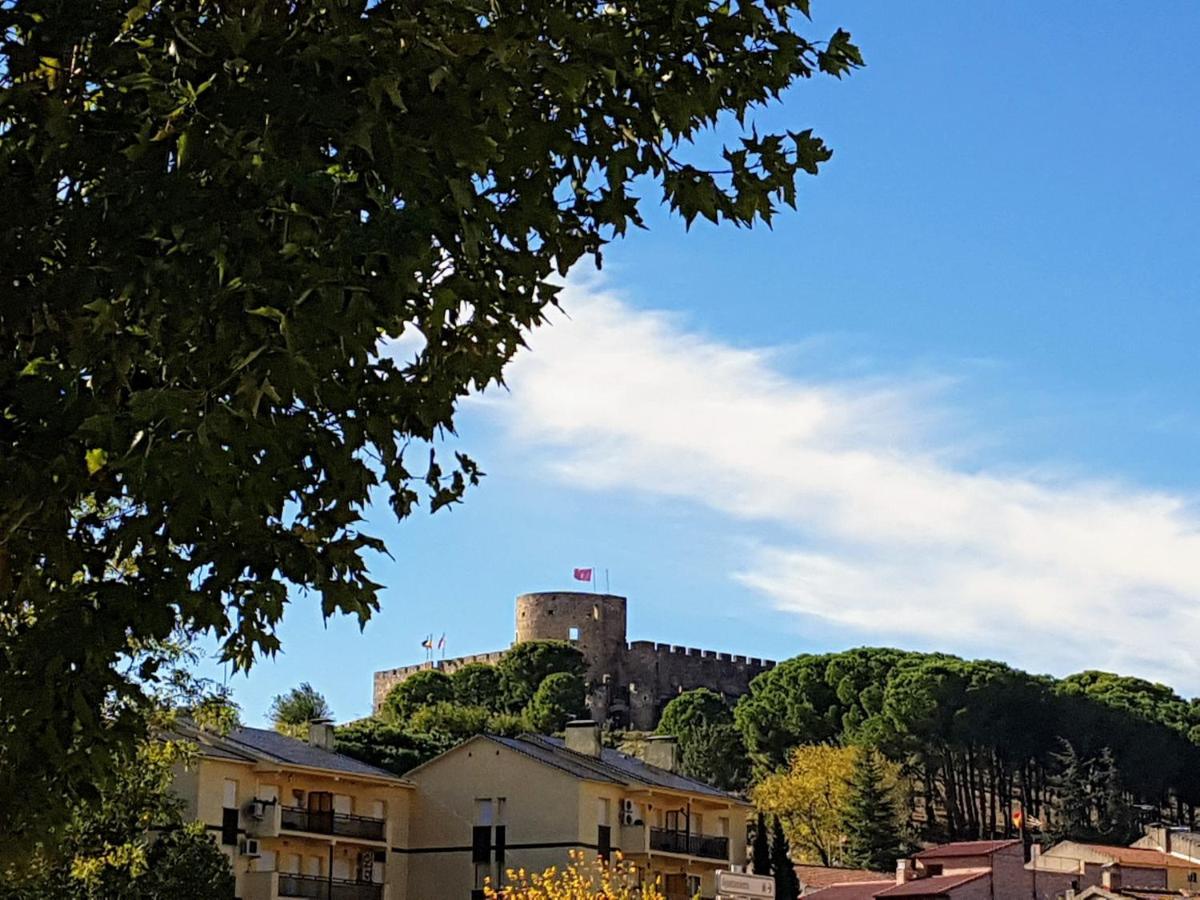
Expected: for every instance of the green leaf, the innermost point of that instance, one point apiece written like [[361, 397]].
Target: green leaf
[[95, 459]]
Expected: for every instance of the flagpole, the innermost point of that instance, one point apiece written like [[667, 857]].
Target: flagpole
[[607, 586]]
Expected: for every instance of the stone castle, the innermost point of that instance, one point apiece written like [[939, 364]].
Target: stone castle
[[629, 682]]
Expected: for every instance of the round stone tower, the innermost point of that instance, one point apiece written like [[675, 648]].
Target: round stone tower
[[595, 623]]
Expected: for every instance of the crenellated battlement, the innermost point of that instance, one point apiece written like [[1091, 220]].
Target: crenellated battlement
[[629, 681]]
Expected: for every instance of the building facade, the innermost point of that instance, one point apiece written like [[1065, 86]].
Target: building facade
[[628, 682], [494, 804], [296, 819]]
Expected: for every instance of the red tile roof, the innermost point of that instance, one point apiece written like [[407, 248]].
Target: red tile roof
[[965, 848], [860, 890], [823, 876], [931, 887]]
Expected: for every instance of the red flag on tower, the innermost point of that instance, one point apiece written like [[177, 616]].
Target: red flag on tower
[[442, 641], [583, 574]]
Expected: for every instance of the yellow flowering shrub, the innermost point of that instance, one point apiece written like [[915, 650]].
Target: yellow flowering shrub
[[583, 878]]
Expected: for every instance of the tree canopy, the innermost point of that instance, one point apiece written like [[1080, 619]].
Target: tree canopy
[[292, 712], [979, 739], [421, 689], [528, 663], [559, 698], [256, 252]]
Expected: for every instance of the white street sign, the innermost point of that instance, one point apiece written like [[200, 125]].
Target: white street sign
[[739, 885]]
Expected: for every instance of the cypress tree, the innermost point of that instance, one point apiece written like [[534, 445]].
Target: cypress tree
[[787, 885], [871, 818], [761, 852]]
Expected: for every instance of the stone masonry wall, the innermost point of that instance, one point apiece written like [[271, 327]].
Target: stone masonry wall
[[653, 673], [628, 682], [389, 678]]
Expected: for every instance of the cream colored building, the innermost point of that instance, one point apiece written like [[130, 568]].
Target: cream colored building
[[297, 819], [496, 803]]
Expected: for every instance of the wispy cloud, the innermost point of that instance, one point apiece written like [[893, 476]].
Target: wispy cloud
[[891, 530]]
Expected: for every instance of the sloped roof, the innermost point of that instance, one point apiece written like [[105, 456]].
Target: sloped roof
[[824, 876], [932, 887], [611, 766], [965, 848], [854, 890], [1134, 857], [261, 745]]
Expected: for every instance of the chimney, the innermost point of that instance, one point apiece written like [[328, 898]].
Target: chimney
[[320, 734], [583, 736], [1110, 877], [662, 750], [905, 871]]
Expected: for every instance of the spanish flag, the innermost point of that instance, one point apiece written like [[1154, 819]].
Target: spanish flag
[[428, 643]]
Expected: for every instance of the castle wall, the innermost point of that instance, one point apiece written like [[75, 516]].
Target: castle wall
[[655, 673], [627, 682], [389, 678]]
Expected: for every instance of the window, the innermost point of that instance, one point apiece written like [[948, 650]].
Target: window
[[229, 827], [697, 823], [1191, 877], [501, 840], [268, 793], [572, 634], [604, 842], [341, 868], [229, 794], [933, 868], [290, 863], [500, 804], [602, 811], [723, 826], [693, 885], [378, 810], [481, 840], [343, 805], [483, 811], [265, 862], [312, 866], [298, 798]]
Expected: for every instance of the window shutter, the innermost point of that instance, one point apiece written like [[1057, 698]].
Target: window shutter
[[229, 827], [500, 839], [481, 840]]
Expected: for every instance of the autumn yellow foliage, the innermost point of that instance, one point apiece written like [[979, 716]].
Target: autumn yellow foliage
[[582, 878]]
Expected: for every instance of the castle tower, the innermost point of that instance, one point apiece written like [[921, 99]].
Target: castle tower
[[594, 623]]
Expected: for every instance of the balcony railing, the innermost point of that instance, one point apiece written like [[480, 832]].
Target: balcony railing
[[296, 818], [690, 844], [310, 886]]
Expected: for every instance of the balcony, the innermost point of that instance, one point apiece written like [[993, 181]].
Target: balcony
[[310, 886], [701, 845], [295, 818]]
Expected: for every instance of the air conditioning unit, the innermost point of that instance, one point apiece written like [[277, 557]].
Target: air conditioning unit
[[628, 814], [250, 847]]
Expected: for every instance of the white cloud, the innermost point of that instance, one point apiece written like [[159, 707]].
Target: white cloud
[[896, 536]]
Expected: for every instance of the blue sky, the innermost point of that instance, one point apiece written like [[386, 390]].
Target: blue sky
[[949, 403]]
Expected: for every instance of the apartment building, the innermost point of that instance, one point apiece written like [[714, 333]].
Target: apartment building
[[497, 803], [296, 819]]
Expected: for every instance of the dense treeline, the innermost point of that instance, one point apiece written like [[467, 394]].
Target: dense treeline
[[978, 739]]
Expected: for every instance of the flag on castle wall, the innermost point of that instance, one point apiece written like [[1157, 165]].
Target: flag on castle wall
[[442, 641], [583, 574], [428, 643]]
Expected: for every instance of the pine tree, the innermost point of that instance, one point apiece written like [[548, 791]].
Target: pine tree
[[787, 885], [761, 852], [871, 819]]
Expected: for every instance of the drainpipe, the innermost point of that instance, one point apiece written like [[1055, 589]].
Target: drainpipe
[[329, 875]]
